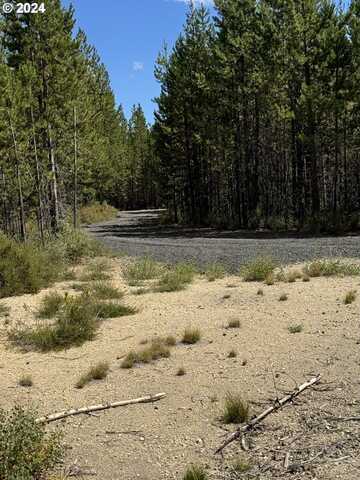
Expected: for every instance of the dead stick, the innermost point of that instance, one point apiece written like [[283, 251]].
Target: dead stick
[[93, 408], [279, 403]]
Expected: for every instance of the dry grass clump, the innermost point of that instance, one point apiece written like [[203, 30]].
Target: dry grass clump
[[236, 410], [180, 372], [96, 212], [350, 297], [283, 297], [4, 310], [195, 472], [234, 323], [50, 305], [141, 291], [170, 341], [102, 291], [176, 278], [240, 466], [295, 328], [328, 268], [260, 292], [280, 275], [143, 269], [25, 381], [105, 310], [96, 372], [305, 277], [191, 336], [156, 350], [270, 279], [214, 271], [96, 271], [293, 276], [258, 269]]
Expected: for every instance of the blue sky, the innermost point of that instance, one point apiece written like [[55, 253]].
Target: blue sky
[[128, 35]]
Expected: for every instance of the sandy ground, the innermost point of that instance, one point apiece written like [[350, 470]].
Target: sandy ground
[[158, 441]]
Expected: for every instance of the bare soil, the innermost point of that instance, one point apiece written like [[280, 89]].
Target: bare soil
[[158, 441]]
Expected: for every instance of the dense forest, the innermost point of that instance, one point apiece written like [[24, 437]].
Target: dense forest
[[258, 120], [257, 123], [63, 140]]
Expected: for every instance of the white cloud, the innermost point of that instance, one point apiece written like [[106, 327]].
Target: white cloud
[[138, 66]]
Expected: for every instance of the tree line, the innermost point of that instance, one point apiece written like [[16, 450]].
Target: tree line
[[63, 140], [258, 119]]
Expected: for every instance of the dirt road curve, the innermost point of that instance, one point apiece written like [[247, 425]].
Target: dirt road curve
[[139, 233]]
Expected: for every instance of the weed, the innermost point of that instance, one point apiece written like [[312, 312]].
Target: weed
[[258, 269], [195, 472], [350, 297], [283, 297], [214, 271], [296, 328], [96, 372], [191, 336], [143, 269], [25, 381], [236, 410], [27, 452], [50, 305], [234, 323]]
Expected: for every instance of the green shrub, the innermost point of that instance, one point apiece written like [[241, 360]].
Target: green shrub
[[236, 410], [350, 297], [50, 305], [176, 278], [295, 328], [142, 269], [75, 324], [258, 269], [25, 268], [96, 372], [96, 212], [112, 310], [27, 452], [215, 271], [191, 336], [195, 472]]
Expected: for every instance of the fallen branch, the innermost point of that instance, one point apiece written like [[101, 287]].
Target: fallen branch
[[277, 405], [93, 408]]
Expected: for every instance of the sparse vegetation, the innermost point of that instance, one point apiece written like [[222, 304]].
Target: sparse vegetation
[[191, 336], [27, 452], [180, 372], [236, 410], [195, 472], [258, 270], [156, 350], [295, 328], [350, 297], [293, 275], [170, 341], [269, 279], [283, 297], [96, 212], [141, 291], [176, 278], [96, 372], [102, 291], [112, 310], [143, 269], [240, 466], [215, 271], [50, 305], [234, 323], [96, 271], [25, 381], [328, 267]]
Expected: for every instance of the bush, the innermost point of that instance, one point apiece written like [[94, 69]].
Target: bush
[[25, 381], [258, 269], [102, 291], [75, 324], [112, 310], [50, 305], [27, 452], [96, 212], [143, 269], [236, 410], [195, 472], [191, 336], [96, 372], [25, 268], [176, 278], [215, 271], [350, 297], [328, 268]]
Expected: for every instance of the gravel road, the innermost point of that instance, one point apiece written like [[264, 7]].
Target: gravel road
[[138, 233]]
